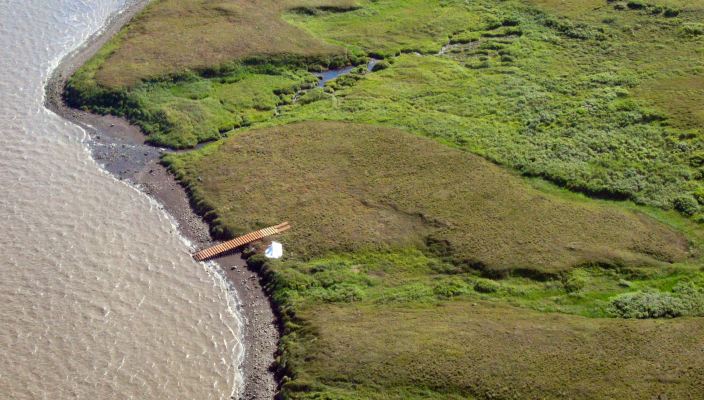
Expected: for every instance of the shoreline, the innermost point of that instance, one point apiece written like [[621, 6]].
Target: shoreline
[[121, 150]]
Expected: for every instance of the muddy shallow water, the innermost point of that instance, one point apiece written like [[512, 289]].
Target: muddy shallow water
[[99, 297]]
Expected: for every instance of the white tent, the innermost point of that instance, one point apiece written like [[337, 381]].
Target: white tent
[[275, 250]]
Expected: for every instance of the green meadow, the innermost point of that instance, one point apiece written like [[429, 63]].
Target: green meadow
[[509, 206], [413, 266]]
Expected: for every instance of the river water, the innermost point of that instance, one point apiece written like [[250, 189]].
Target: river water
[[99, 298]]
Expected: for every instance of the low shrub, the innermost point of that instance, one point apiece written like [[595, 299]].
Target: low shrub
[[643, 305], [381, 65], [574, 30], [510, 22], [692, 29], [574, 283], [686, 299], [450, 288], [687, 205], [671, 12], [338, 293], [486, 286], [313, 95], [636, 5], [479, 65], [699, 194], [624, 283], [691, 296]]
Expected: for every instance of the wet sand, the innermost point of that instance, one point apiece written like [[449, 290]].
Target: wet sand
[[120, 148]]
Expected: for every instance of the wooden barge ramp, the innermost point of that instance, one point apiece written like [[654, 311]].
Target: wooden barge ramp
[[224, 247]]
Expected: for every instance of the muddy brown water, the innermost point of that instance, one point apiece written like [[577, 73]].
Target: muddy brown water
[[99, 297]]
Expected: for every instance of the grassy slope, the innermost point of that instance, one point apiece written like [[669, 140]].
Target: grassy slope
[[348, 187], [460, 350], [568, 91], [188, 71], [369, 317], [568, 99], [171, 36]]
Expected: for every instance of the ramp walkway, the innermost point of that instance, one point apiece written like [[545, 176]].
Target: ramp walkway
[[224, 247]]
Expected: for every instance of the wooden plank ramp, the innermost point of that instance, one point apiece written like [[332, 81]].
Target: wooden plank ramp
[[224, 247]]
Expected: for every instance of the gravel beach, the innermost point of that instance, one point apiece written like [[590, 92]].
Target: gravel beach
[[120, 148]]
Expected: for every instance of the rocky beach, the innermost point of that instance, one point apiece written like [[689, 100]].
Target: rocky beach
[[120, 148]]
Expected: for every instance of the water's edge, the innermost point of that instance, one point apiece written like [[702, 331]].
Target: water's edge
[[120, 149]]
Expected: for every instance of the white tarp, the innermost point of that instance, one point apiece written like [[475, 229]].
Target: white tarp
[[275, 250]]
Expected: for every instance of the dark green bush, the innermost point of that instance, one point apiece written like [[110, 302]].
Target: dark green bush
[[510, 22], [687, 205], [636, 5], [574, 283], [671, 12], [381, 65]]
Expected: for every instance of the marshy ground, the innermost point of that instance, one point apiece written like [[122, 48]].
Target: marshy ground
[[417, 267]]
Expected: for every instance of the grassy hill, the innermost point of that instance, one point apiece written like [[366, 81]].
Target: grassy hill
[[467, 350], [384, 291], [171, 36], [599, 97], [348, 187]]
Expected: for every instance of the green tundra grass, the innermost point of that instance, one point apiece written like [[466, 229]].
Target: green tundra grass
[[580, 93], [417, 269], [599, 97], [348, 187], [386, 289]]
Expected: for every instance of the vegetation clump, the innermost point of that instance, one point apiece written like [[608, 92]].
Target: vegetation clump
[[693, 29], [686, 298]]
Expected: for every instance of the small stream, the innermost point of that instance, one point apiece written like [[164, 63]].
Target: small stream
[[331, 74]]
